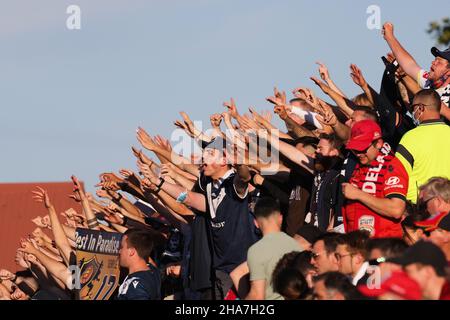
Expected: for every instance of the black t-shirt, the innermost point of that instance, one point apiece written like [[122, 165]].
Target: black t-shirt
[[141, 285], [228, 222]]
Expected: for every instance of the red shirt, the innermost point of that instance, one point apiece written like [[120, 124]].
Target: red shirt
[[445, 292], [385, 177]]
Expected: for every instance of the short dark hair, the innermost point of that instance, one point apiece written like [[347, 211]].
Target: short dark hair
[[389, 247], [340, 282], [369, 113], [266, 206], [307, 141], [356, 242], [331, 240], [291, 283], [414, 214], [141, 241], [432, 97], [332, 139], [300, 261]]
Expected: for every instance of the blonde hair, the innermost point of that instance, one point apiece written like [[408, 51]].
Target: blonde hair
[[437, 187], [362, 100]]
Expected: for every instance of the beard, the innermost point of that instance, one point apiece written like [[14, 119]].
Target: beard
[[323, 163]]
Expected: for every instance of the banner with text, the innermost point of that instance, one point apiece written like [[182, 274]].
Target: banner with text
[[97, 263]]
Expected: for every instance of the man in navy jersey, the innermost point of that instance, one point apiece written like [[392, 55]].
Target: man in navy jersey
[[143, 281], [224, 199]]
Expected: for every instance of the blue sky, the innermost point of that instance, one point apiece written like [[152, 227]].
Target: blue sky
[[70, 101]]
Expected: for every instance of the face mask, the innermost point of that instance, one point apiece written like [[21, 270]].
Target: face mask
[[325, 163], [416, 119]]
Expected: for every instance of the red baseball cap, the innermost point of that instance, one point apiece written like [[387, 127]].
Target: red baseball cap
[[363, 133], [441, 220], [399, 284]]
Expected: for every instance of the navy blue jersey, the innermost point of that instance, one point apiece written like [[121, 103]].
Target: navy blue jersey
[[229, 223], [141, 285]]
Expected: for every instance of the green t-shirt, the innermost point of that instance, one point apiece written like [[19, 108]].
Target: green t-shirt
[[425, 153], [264, 255]]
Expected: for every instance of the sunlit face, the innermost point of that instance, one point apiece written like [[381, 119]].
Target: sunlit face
[[213, 161], [325, 148], [440, 237], [344, 259], [124, 252], [433, 204], [322, 261], [309, 150], [365, 157], [356, 116], [439, 68]]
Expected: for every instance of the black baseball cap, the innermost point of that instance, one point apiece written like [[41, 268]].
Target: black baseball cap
[[443, 54], [426, 253], [219, 144], [309, 232]]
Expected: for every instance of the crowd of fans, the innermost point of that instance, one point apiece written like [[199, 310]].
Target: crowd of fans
[[352, 201]]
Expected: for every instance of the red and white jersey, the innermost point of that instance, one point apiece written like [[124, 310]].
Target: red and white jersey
[[385, 177]]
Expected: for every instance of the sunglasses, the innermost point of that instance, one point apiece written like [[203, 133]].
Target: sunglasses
[[356, 152]]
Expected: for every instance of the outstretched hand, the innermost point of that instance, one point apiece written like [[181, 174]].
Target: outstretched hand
[[323, 71], [357, 76], [232, 109], [42, 196], [388, 31], [278, 99], [145, 139]]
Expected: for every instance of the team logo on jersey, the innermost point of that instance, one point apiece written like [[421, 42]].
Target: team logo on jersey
[[392, 181], [367, 223]]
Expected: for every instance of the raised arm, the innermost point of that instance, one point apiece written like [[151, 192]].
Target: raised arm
[[57, 269], [406, 61], [79, 193], [337, 98], [148, 143], [323, 71], [61, 241]]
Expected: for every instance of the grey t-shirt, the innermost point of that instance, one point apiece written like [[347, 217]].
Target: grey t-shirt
[[264, 255]]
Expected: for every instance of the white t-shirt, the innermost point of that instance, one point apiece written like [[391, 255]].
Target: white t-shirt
[[425, 83]]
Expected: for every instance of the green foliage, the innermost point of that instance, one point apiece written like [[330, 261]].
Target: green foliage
[[440, 31]]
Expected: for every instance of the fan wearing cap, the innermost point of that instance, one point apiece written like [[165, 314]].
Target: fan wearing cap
[[425, 263], [376, 192], [438, 78], [435, 199], [397, 287], [224, 200]]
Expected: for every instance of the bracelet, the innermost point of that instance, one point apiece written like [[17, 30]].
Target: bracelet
[[182, 197], [119, 198], [91, 220], [161, 182], [93, 224]]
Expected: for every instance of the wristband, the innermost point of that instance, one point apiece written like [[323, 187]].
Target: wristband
[[125, 220], [91, 220], [161, 182], [182, 197], [119, 198]]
